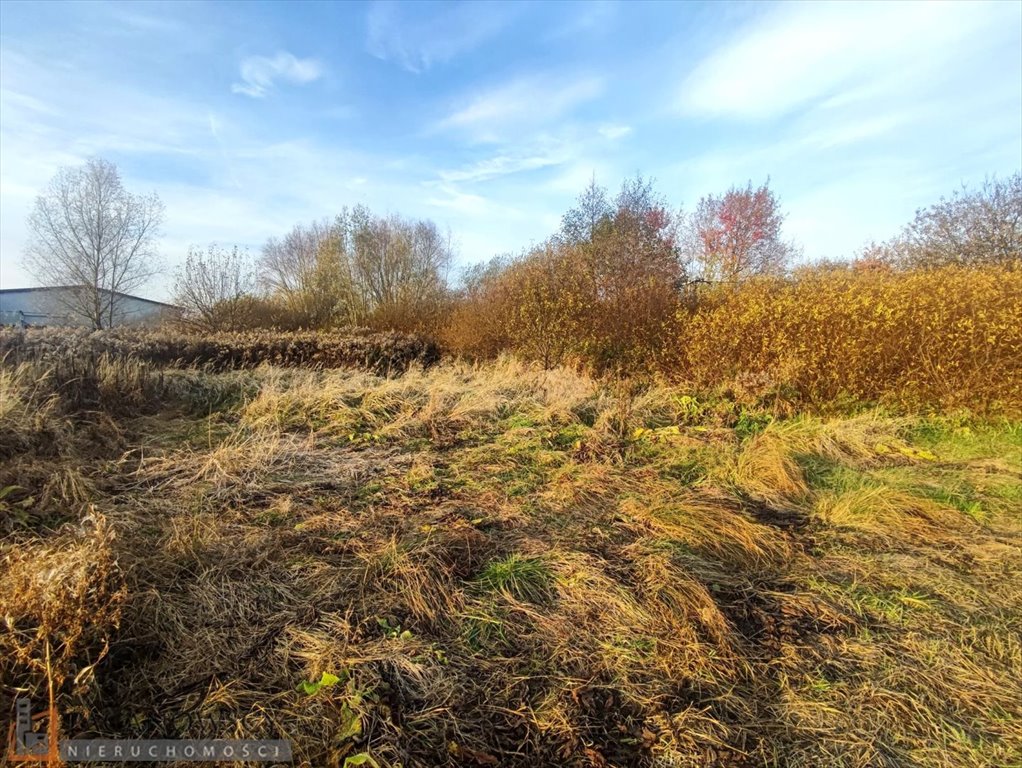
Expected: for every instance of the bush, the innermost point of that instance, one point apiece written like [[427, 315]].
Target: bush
[[562, 304], [947, 337]]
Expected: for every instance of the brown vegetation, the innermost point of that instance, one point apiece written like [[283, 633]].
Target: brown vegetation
[[506, 565], [689, 522], [379, 352], [948, 337]]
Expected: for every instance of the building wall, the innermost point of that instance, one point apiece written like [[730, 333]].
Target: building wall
[[44, 307]]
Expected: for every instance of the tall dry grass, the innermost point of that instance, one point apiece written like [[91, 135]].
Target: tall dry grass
[[383, 353]]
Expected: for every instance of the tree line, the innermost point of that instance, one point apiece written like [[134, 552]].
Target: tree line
[[600, 288]]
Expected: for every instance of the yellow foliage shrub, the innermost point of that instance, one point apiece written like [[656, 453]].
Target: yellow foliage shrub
[[564, 305], [949, 337]]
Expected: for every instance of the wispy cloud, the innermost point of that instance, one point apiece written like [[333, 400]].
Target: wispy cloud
[[527, 101], [799, 53], [502, 165], [259, 74], [417, 38], [595, 16], [614, 131], [454, 199], [861, 113]]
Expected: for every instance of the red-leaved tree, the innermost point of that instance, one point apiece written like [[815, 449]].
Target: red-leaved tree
[[738, 235]]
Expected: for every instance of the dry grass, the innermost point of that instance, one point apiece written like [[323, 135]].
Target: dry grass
[[383, 353], [502, 565], [29, 411]]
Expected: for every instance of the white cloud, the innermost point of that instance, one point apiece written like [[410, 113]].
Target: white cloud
[[218, 177], [572, 179], [799, 53], [462, 202], [865, 112], [502, 165], [524, 102], [844, 133], [418, 40], [613, 131], [594, 18], [259, 74]]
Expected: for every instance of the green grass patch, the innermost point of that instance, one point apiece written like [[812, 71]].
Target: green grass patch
[[523, 578]]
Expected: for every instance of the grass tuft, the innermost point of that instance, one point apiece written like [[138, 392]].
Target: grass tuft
[[518, 577]]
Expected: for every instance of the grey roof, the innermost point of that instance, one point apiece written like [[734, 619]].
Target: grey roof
[[38, 289]]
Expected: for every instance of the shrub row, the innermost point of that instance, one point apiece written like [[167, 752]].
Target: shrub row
[[381, 353], [945, 337], [950, 337]]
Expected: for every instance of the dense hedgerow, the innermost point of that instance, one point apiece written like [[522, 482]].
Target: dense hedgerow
[[574, 305], [949, 337], [377, 352], [942, 337]]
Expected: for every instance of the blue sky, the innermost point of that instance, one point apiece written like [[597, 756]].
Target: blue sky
[[489, 118]]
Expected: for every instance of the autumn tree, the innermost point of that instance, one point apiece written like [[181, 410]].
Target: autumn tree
[[476, 326], [547, 305], [213, 287], [603, 291], [399, 267], [623, 238], [738, 235], [592, 209], [637, 268], [90, 234]]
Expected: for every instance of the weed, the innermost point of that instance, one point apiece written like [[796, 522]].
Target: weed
[[522, 578]]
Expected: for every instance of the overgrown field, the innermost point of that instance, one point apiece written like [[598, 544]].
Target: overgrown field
[[500, 565]]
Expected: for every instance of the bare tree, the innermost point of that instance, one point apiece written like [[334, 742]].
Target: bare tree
[[398, 260], [972, 227], [308, 270], [89, 234], [399, 269], [288, 264], [212, 286]]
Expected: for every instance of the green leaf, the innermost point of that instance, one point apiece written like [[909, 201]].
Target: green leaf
[[325, 681], [351, 724], [362, 758]]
